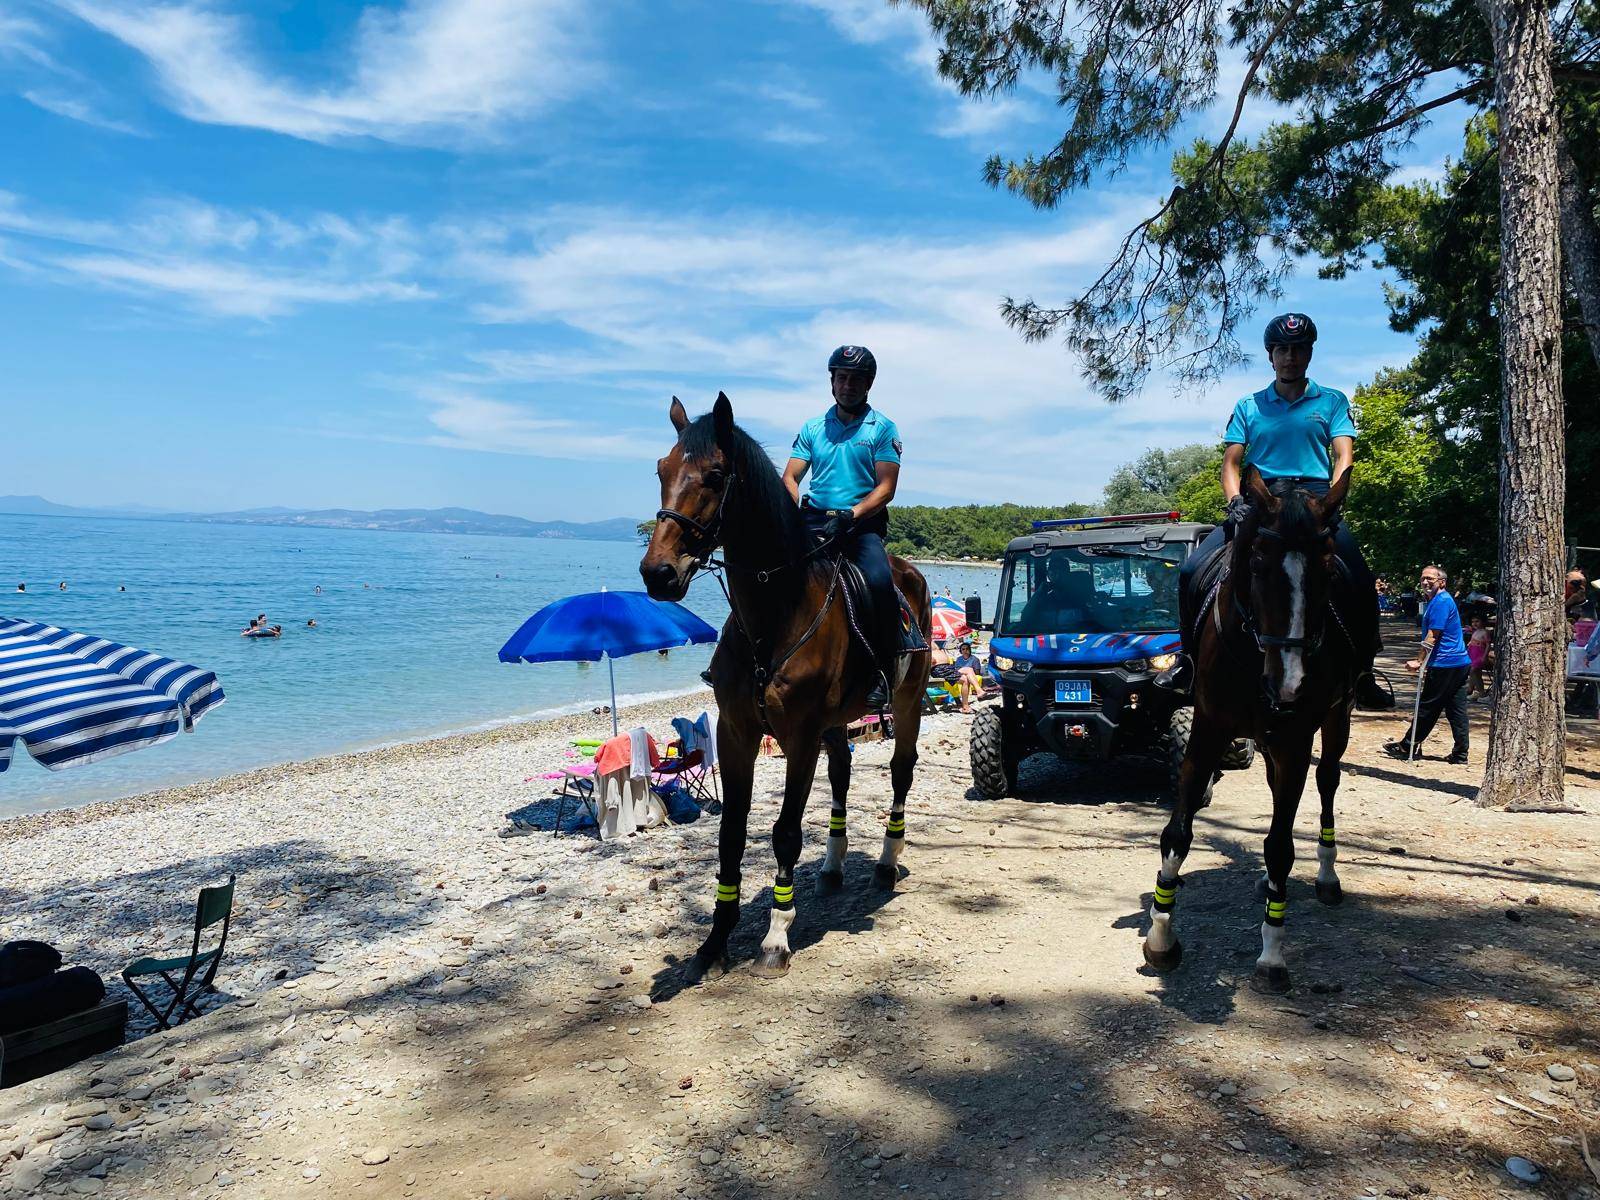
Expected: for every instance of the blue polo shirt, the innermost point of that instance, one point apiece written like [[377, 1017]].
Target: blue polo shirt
[[1288, 440], [844, 458], [1443, 615]]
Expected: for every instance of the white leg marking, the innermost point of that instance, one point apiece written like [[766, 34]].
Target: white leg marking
[[1326, 857], [778, 932], [891, 851], [1294, 667], [833, 856], [1271, 946], [1161, 937]]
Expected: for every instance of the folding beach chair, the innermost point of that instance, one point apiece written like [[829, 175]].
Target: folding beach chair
[[692, 775], [215, 904]]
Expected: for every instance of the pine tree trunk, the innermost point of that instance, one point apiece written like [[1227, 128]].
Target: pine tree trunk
[[1527, 739], [1580, 247]]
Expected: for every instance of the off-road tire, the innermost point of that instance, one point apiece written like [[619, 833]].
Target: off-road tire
[[1176, 745], [994, 773], [1240, 755]]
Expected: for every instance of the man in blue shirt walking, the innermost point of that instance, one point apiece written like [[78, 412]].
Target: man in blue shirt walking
[[852, 453], [1446, 654]]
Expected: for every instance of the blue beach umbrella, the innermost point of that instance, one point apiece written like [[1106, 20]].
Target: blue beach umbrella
[[604, 624], [72, 698]]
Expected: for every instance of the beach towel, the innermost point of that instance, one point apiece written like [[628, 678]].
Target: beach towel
[[642, 753]]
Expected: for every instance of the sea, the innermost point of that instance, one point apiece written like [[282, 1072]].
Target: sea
[[408, 627]]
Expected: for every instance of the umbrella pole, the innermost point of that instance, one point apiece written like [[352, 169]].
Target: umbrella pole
[[611, 666]]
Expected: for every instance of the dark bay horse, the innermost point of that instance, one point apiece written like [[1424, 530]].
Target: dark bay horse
[[1272, 662], [787, 662]]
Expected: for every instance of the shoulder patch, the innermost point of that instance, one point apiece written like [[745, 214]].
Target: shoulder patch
[[1355, 415], [898, 448]]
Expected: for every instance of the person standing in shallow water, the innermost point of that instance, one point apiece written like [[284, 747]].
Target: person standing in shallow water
[[1296, 434], [852, 453]]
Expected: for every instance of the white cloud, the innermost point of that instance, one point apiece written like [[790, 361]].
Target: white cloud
[[471, 422], [433, 70], [222, 262], [75, 109]]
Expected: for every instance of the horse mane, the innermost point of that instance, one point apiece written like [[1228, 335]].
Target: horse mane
[[762, 492]]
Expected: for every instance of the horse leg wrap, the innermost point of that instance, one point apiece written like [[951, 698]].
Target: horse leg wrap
[[1166, 895], [1277, 906]]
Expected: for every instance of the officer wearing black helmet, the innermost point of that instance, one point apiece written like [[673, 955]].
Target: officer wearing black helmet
[[852, 453], [1296, 433]]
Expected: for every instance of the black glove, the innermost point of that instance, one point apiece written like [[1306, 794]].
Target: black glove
[[839, 523], [1238, 509]]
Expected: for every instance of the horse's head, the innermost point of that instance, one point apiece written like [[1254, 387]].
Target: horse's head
[[1286, 552], [696, 476]]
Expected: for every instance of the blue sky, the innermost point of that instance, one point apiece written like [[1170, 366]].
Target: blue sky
[[461, 252]]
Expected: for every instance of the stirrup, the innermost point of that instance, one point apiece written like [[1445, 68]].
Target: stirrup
[[1371, 695], [1179, 677], [878, 696]]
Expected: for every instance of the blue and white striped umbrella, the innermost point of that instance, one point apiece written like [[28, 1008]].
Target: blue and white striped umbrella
[[71, 698]]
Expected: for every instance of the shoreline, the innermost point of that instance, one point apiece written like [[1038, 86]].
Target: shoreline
[[25, 825], [990, 564]]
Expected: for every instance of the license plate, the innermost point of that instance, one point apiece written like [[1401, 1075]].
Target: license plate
[[1074, 691]]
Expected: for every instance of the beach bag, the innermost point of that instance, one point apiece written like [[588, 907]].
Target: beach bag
[[49, 998], [23, 962], [681, 807]]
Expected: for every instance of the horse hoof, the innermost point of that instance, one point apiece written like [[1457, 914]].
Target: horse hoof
[[1163, 960], [830, 883], [1330, 893], [884, 876], [707, 962], [1271, 981], [772, 964]]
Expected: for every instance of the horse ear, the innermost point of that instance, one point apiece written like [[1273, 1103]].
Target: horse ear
[[1334, 500], [722, 420], [1257, 487], [679, 415]]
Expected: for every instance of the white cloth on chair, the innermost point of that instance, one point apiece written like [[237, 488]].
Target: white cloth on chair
[[620, 803], [640, 748]]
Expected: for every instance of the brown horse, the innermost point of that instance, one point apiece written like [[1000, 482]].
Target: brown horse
[[787, 662], [1272, 661]]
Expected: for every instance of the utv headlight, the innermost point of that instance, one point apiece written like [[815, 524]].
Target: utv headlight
[[1163, 662], [1002, 663]]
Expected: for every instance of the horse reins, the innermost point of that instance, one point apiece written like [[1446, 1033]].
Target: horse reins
[[709, 532]]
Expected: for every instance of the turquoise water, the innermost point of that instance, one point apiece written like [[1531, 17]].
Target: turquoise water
[[408, 628]]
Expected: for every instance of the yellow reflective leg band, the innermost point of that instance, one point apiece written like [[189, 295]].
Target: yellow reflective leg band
[[897, 824], [835, 824], [727, 893], [1276, 910], [1327, 836], [783, 894], [1164, 895]]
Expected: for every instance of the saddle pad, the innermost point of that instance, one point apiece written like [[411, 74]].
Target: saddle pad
[[859, 597]]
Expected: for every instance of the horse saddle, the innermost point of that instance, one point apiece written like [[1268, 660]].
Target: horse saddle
[[863, 609]]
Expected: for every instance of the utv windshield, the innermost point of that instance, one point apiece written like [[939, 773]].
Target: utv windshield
[[1092, 589]]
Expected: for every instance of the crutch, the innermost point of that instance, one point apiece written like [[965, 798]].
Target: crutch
[[1416, 708]]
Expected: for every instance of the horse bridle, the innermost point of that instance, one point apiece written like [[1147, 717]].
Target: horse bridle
[[1268, 641], [709, 532]]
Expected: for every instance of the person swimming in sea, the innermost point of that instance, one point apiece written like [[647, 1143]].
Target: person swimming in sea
[[311, 624], [62, 586], [22, 587]]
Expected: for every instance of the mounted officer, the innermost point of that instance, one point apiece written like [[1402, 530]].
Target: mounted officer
[[1297, 434], [852, 453]]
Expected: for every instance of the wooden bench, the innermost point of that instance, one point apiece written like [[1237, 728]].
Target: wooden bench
[[30, 1053]]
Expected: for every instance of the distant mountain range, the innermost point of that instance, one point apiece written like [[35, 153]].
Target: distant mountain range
[[412, 520]]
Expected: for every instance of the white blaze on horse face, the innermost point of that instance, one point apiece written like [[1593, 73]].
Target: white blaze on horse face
[[1294, 669]]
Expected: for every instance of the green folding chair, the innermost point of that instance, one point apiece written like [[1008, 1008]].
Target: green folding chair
[[215, 904]]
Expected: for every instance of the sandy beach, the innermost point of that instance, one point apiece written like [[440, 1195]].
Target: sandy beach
[[413, 1006]]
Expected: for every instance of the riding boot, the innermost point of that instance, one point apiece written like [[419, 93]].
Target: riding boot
[[878, 697]]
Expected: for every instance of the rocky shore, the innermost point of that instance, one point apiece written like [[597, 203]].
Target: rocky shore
[[413, 1006]]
